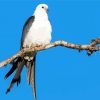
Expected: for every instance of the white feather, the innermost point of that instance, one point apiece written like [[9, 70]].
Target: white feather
[[40, 31]]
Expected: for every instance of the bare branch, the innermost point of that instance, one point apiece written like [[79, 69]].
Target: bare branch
[[91, 47], [94, 42]]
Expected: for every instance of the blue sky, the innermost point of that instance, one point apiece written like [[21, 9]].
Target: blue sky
[[61, 73]]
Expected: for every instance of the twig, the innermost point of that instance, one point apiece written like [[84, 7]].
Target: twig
[[94, 42]]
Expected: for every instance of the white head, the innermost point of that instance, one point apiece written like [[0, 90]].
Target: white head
[[41, 10]]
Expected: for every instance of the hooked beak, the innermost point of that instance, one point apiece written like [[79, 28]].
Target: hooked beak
[[46, 9]]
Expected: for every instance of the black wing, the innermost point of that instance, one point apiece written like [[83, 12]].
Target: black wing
[[26, 28]]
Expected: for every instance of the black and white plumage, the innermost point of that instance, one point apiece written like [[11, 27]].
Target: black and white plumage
[[36, 31]]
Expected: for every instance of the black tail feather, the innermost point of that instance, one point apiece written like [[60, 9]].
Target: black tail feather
[[15, 64], [17, 77], [12, 84], [31, 74], [18, 66], [33, 78]]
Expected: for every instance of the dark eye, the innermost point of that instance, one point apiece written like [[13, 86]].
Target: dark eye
[[42, 7]]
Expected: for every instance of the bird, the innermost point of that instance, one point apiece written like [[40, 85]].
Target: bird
[[36, 31]]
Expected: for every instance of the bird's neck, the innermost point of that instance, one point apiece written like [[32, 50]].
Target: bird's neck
[[41, 15]]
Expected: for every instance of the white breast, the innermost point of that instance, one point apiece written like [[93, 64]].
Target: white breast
[[39, 33]]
